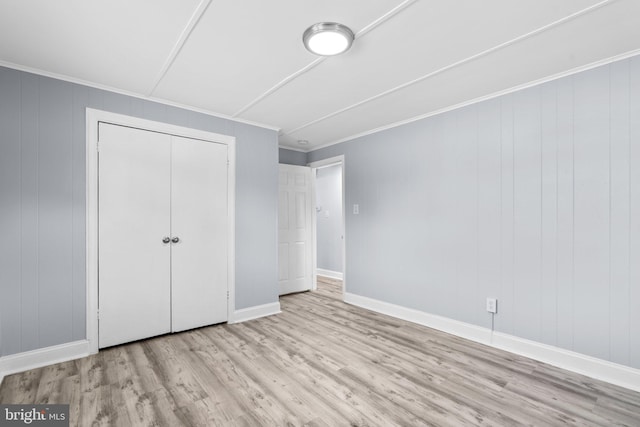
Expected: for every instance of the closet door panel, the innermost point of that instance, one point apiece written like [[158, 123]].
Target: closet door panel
[[199, 221], [134, 212]]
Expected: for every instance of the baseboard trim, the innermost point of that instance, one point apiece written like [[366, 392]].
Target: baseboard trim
[[42, 357], [610, 372], [256, 312], [329, 273]]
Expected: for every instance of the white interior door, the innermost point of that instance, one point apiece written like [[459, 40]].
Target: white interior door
[[199, 224], [134, 217], [294, 229]]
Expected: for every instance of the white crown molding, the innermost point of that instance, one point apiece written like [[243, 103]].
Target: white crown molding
[[299, 150], [255, 312], [493, 95], [74, 80], [42, 357], [613, 373]]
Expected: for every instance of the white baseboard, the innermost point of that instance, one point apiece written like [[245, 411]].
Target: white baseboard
[[329, 273], [613, 373], [74, 350], [42, 357], [255, 312]]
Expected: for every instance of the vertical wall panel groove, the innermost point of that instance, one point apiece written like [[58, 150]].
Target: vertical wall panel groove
[[81, 98], [10, 206], [634, 215], [592, 212], [29, 236], [565, 213], [527, 232], [489, 206], [505, 320], [55, 214], [610, 214], [619, 204], [548, 213]]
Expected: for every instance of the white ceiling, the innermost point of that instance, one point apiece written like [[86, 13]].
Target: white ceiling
[[245, 59]]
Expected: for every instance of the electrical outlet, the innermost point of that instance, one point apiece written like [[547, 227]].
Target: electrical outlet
[[356, 209], [492, 305]]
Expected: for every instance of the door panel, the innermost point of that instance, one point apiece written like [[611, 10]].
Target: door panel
[[300, 260], [294, 229], [283, 261], [134, 274], [199, 220]]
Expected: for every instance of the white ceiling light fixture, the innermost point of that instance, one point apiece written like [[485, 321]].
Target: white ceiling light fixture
[[328, 38]]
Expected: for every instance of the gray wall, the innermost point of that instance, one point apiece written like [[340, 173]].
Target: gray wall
[[329, 218], [291, 157], [42, 205], [533, 198]]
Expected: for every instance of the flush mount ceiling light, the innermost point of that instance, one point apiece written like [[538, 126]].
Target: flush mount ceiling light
[[303, 142], [327, 38]]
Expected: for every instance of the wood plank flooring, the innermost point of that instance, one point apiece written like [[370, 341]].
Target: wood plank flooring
[[319, 363]]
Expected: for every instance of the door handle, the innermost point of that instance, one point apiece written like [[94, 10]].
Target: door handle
[[166, 240], [175, 239]]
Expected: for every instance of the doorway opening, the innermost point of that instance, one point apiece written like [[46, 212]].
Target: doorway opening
[[329, 225]]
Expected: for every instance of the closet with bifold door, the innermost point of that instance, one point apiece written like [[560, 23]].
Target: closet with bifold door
[[162, 233]]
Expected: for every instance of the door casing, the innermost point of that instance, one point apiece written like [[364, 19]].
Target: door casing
[[332, 161]]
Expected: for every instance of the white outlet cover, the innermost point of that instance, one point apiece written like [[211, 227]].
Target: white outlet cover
[[492, 305]]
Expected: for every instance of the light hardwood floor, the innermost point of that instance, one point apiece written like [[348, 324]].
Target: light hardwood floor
[[319, 363]]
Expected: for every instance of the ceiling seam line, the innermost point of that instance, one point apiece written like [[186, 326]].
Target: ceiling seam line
[[477, 100], [455, 64], [390, 14], [280, 84], [318, 61], [182, 39]]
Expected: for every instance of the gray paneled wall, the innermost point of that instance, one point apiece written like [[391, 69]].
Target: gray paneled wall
[[329, 218], [532, 197], [42, 205], [291, 157]]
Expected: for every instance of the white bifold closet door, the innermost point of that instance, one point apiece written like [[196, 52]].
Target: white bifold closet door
[[199, 220], [162, 234]]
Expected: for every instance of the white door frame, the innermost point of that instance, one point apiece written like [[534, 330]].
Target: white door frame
[[93, 118], [320, 164]]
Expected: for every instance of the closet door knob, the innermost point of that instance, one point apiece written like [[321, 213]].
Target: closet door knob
[[175, 239], [166, 240]]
